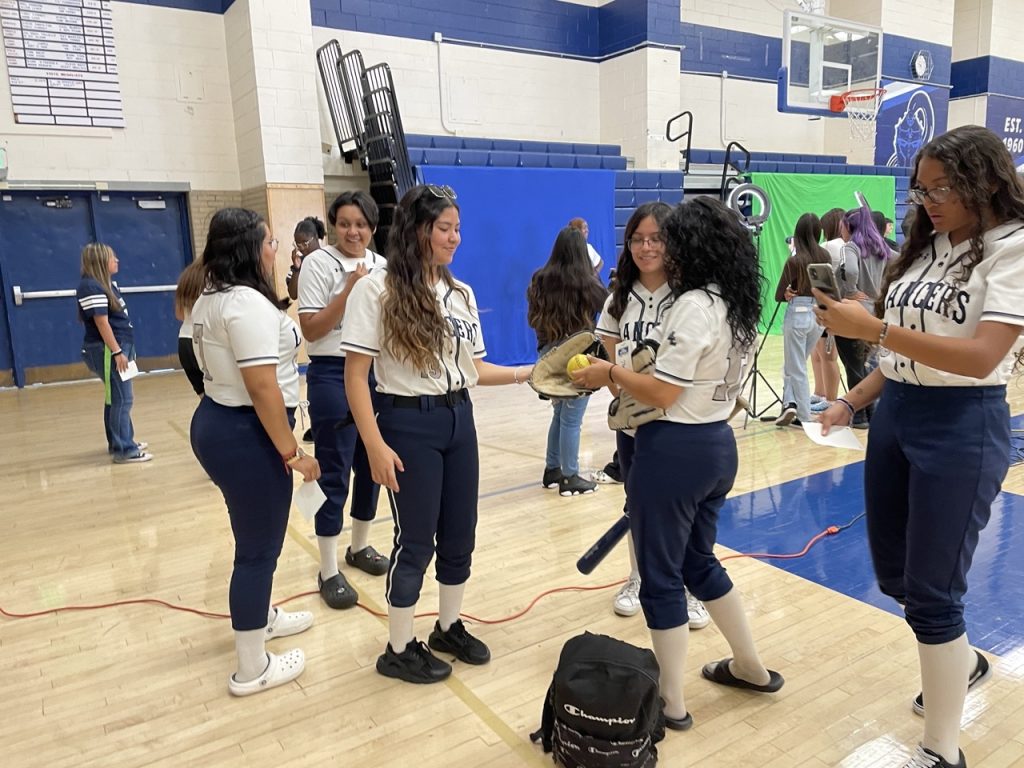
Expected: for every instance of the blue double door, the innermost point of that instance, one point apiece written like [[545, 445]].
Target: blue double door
[[41, 239]]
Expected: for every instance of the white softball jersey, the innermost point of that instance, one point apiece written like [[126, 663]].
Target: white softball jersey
[[698, 353], [363, 333], [323, 277], [644, 310], [930, 298], [237, 328]]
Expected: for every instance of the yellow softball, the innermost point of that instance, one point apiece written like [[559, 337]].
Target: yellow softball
[[576, 362]]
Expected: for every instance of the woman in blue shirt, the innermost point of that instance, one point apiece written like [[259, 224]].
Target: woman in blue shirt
[[108, 348]]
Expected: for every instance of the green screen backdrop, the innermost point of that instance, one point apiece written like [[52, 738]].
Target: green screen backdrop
[[794, 194]]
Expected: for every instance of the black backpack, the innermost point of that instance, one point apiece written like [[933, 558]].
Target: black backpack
[[603, 709]]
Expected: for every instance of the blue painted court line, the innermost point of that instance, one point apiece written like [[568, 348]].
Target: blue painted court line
[[783, 518]]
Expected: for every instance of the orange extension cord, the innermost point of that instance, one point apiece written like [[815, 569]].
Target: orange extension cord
[[832, 530]]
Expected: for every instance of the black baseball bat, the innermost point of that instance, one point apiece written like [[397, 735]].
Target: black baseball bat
[[593, 556]]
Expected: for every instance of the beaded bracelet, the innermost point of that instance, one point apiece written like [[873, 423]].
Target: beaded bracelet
[[844, 401]]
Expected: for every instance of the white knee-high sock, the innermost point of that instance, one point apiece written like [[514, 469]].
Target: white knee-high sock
[[252, 656], [400, 621], [944, 672], [634, 570], [670, 648], [728, 614], [328, 556], [360, 534], [449, 604]]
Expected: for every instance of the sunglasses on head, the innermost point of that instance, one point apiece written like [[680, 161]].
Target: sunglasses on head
[[441, 190]]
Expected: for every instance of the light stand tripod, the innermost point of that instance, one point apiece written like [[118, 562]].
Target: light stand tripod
[[755, 372]]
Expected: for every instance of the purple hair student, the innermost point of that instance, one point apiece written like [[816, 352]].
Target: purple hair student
[[865, 234]]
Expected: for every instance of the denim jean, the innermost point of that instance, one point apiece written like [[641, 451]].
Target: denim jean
[[564, 435], [117, 415], [800, 332]]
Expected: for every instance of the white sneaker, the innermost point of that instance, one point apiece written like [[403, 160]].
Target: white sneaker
[[286, 624], [699, 616], [600, 476], [280, 670], [817, 399], [627, 602]]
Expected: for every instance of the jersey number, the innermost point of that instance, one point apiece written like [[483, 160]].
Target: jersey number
[[731, 387], [197, 336]]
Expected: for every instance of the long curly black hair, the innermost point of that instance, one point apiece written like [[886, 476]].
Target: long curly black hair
[[232, 255], [706, 244], [626, 271], [981, 172]]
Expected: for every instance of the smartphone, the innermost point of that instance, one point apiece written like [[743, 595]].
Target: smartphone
[[823, 277]]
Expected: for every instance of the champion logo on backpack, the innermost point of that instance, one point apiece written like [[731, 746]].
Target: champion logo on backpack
[[603, 707], [576, 711]]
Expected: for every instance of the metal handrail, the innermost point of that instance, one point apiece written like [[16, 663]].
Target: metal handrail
[[688, 134], [20, 296], [728, 163]]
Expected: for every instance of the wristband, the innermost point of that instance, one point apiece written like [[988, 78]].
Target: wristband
[[115, 354], [844, 401], [515, 374], [610, 374]]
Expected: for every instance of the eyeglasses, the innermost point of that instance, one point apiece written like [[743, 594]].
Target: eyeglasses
[[636, 243], [937, 195], [303, 243], [441, 190]]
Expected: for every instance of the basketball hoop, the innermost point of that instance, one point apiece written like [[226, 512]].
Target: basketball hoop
[[861, 106]]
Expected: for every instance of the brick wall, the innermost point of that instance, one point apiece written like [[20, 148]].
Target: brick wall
[[202, 204]]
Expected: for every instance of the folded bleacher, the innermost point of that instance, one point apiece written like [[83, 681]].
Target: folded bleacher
[[512, 153]]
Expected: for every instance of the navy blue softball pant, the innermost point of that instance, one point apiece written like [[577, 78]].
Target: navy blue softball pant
[[339, 450], [240, 458], [935, 462], [677, 484], [437, 500]]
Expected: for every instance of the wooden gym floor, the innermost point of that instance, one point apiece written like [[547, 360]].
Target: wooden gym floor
[[146, 686]]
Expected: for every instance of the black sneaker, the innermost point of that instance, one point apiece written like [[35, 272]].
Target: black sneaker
[[415, 664], [613, 471], [575, 485], [787, 416], [458, 642], [925, 758], [552, 475], [337, 592], [978, 676]]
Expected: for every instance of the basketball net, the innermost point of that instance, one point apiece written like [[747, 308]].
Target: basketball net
[[861, 107]]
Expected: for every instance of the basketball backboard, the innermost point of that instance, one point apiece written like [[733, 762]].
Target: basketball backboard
[[824, 57]]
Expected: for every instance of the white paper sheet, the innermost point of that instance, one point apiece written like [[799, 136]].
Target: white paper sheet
[[130, 372], [309, 498], [838, 437]]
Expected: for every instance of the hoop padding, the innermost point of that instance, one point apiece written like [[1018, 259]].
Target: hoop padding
[[861, 107]]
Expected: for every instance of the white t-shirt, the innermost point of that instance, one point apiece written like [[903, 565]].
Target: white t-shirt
[[834, 248], [928, 298], [642, 314], [185, 332], [697, 352], [322, 279], [364, 330], [595, 257], [238, 328]]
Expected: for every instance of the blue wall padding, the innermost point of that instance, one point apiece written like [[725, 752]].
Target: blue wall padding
[[510, 218]]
